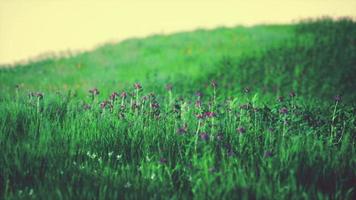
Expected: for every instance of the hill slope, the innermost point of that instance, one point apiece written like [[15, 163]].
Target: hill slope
[[313, 58], [158, 58], [231, 140], [318, 62]]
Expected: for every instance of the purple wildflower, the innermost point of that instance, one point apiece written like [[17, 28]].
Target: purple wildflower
[[154, 105], [337, 98], [123, 95], [163, 161], [113, 96], [204, 136], [94, 92], [104, 104], [292, 94], [199, 94], [268, 154], [241, 130], [209, 114], [230, 153], [183, 129], [145, 98], [283, 110], [137, 86]]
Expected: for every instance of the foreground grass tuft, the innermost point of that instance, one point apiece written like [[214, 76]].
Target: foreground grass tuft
[[142, 145]]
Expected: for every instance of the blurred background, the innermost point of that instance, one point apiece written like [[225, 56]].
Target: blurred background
[[31, 28]]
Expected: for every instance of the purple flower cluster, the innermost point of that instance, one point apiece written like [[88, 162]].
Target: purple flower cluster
[[205, 115]]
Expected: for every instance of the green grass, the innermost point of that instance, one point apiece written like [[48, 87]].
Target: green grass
[[158, 59], [239, 139]]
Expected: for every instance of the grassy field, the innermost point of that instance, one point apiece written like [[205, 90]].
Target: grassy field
[[264, 112]]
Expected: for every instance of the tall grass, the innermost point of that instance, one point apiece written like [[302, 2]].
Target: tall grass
[[148, 146], [276, 124]]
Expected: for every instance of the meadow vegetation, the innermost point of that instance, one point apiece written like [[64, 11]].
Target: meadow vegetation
[[265, 112]]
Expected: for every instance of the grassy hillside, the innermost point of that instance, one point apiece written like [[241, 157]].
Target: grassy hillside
[[156, 59], [318, 62], [265, 112]]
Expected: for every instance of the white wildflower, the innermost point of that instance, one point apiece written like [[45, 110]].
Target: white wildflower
[[153, 176], [127, 185]]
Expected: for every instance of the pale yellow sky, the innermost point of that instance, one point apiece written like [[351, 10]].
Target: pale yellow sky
[[32, 27]]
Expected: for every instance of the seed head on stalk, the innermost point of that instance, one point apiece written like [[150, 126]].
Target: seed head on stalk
[[93, 93], [337, 98], [214, 84], [138, 88], [247, 90], [39, 95]]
